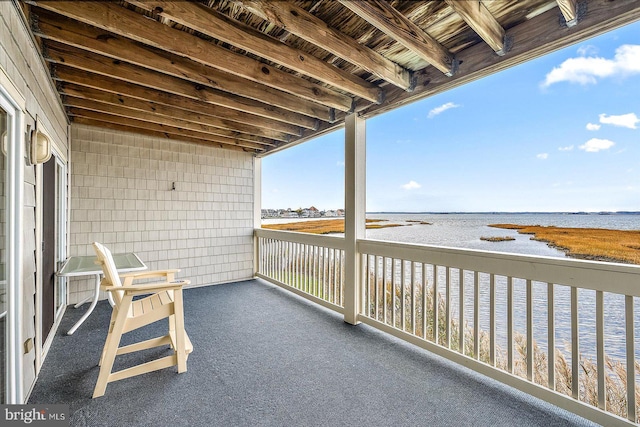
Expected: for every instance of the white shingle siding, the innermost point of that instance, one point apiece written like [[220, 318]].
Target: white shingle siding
[[122, 196]]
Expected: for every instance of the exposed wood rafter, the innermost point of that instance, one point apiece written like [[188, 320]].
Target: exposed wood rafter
[[119, 20], [569, 10], [98, 64], [105, 123], [153, 117], [476, 15], [81, 78], [82, 36], [173, 130], [209, 22], [308, 27], [71, 91], [383, 16]]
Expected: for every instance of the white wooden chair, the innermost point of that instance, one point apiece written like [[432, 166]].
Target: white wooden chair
[[165, 300]]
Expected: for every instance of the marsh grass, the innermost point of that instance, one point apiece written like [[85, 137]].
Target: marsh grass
[[589, 243]]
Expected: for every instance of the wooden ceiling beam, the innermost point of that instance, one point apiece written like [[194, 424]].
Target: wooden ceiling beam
[[73, 33], [126, 112], [208, 21], [172, 130], [150, 107], [305, 25], [127, 23], [65, 75], [98, 64], [383, 16], [569, 10], [478, 17], [535, 37], [158, 134]]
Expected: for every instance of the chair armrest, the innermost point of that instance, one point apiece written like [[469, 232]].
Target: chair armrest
[[128, 278], [149, 288]]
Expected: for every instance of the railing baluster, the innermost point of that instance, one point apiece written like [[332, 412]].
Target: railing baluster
[[335, 275], [393, 291], [461, 310], [530, 330], [267, 253], [330, 273], [631, 358], [510, 324], [600, 357], [305, 267], [476, 315], [575, 345], [436, 310], [325, 273], [424, 301], [321, 260], [492, 319], [403, 294], [551, 336], [384, 288], [367, 284], [413, 298], [447, 305], [376, 295], [290, 263], [316, 270]]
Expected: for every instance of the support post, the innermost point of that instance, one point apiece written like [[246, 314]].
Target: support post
[[355, 211], [257, 210]]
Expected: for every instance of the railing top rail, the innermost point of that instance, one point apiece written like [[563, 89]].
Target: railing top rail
[[608, 277], [334, 242]]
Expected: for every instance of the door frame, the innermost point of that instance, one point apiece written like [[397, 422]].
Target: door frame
[[62, 165], [14, 104]]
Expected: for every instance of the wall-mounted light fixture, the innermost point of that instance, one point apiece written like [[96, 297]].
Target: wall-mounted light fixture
[[40, 150]]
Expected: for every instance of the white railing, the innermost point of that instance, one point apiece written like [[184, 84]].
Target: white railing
[[309, 265], [486, 310]]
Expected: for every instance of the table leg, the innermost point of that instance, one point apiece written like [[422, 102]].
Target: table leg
[[83, 301], [94, 301]]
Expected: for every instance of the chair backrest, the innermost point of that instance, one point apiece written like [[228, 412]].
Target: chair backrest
[[111, 277]]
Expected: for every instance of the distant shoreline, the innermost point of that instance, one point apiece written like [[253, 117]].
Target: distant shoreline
[[508, 213], [597, 244]]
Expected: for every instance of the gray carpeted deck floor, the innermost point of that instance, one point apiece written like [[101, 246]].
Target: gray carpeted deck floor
[[264, 357]]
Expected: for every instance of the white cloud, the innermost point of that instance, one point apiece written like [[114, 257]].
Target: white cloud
[[340, 163], [588, 50], [542, 156], [442, 109], [593, 126], [411, 185], [625, 120], [588, 69], [595, 144], [567, 148]]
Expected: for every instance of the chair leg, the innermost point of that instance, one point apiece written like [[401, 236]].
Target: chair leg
[[179, 331], [111, 325], [172, 329], [110, 350]]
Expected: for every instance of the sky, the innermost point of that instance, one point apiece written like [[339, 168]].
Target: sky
[[558, 134]]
